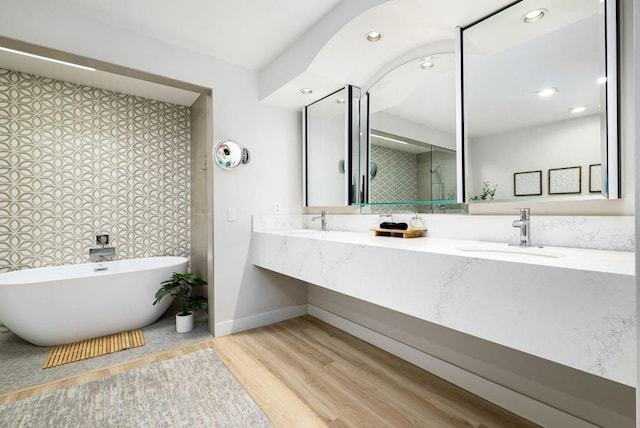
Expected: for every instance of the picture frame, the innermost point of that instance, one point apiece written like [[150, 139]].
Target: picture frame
[[528, 183], [565, 181], [595, 178]]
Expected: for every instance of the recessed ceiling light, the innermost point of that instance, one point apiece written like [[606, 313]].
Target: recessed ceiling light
[[602, 80], [341, 101], [547, 92], [306, 91], [534, 16], [426, 65], [373, 36], [578, 109], [70, 64]]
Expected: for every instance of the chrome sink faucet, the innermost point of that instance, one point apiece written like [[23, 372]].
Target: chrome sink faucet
[[524, 225], [323, 217]]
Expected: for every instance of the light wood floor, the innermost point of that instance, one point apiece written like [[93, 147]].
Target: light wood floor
[[305, 373]]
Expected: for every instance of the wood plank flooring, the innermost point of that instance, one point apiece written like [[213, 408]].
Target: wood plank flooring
[[305, 373], [306, 368]]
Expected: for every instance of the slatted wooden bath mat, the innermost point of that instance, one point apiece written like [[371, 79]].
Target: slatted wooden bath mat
[[63, 354]]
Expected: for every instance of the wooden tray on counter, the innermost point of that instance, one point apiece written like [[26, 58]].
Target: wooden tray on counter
[[399, 233]]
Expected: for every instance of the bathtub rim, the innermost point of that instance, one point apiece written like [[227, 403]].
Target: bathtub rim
[[78, 270]]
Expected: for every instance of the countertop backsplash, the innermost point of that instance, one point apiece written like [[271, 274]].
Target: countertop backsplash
[[595, 232]]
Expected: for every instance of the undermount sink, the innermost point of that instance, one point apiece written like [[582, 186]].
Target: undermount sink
[[506, 249]]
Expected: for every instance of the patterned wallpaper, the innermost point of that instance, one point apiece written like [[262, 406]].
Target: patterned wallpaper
[[76, 160], [396, 179]]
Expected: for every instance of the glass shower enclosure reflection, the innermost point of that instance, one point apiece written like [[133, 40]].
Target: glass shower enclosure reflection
[[405, 173]]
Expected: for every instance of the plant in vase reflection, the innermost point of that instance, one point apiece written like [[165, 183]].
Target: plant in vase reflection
[[487, 194]]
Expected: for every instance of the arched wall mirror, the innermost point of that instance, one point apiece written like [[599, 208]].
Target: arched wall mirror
[[539, 85], [411, 135]]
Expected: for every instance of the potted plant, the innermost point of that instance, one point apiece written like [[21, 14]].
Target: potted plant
[[180, 287]]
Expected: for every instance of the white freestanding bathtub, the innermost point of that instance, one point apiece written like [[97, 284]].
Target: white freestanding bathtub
[[63, 304]]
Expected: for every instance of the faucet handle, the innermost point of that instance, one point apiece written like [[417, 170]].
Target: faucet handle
[[525, 213]]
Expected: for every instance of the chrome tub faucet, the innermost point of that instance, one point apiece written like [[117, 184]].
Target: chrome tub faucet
[[525, 227], [103, 252]]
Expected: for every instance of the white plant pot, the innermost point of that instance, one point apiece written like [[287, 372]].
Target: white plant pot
[[184, 323]]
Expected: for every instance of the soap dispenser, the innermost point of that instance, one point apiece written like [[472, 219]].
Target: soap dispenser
[[416, 223]]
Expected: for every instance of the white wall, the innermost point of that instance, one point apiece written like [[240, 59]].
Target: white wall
[[272, 135], [568, 143]]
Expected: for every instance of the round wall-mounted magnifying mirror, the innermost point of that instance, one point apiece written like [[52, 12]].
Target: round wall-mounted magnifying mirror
[[228, 154]]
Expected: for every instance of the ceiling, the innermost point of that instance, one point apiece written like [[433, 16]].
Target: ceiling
[[250, 33], [240, 32], [348, 58], [318, 44]]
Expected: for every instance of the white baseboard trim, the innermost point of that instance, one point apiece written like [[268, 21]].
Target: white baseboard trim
[[241, 324], [506, 398]]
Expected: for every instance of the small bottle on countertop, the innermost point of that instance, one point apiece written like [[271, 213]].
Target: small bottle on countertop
[[416, 223]]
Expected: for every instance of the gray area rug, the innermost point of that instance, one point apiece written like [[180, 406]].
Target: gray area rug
[[21, 362], [194, 390]]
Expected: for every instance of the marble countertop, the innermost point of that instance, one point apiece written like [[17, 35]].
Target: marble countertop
[[618, 262]]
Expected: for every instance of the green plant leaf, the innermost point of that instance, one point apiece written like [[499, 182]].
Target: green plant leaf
[[162, 292], [198, 303], [180, 286]]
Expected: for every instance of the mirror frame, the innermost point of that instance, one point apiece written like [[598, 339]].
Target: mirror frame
[[611, 159]]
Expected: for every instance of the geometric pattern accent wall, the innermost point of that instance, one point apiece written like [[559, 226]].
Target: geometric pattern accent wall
[[77, 160], [396, 179]]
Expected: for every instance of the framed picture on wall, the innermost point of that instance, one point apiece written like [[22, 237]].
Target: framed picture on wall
[[564, 181], [527, 183], [595, 178]]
